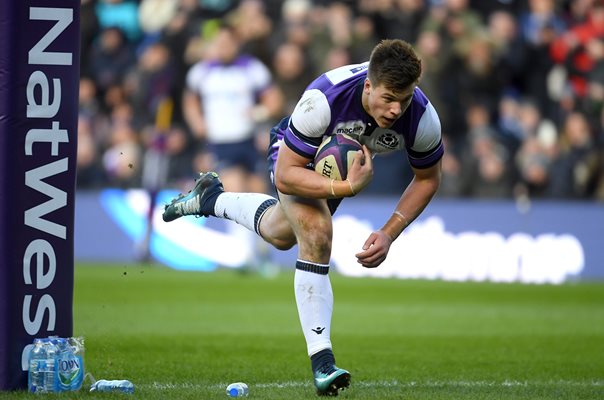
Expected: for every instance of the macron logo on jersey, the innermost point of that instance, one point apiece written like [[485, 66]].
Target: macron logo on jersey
[[352, 128]]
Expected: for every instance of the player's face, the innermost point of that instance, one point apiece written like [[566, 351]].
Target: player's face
[[225, 47], [384, 105]]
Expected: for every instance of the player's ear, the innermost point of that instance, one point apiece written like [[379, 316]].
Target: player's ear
[[367, 86]]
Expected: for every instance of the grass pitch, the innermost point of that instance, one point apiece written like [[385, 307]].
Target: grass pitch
[[185, 335]]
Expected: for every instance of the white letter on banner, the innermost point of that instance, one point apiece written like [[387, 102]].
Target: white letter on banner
[[39, 248], [58, 198], [37, 54], [46, 303], [44, 109], [54, 136]]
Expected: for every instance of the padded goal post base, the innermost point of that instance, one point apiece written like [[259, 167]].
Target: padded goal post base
[[39, 80]]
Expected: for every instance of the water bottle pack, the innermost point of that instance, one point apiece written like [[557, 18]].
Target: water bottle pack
[[56, 365]]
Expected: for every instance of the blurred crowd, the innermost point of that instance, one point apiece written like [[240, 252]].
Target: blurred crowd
[[518, 85]]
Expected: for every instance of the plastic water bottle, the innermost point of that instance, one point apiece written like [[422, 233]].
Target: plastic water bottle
[[37, 365], [42, 371], [70, 364], [103, 385], [50, 373], [237, 389]]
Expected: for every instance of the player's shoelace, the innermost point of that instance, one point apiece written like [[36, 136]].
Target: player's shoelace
[[190, 206], [327, 369]]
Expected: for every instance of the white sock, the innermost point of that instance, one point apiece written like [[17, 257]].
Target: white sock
[[244, 208], [314, 299]]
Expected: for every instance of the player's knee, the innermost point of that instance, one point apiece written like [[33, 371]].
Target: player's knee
[[318, 242], [283, 244]]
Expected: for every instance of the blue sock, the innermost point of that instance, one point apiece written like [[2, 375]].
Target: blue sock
[[321, 358]]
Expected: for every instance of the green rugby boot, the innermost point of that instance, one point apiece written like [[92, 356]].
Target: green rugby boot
[[329, 379], [199, 201]]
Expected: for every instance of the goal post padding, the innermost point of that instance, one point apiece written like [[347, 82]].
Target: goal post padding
[[39, 83]]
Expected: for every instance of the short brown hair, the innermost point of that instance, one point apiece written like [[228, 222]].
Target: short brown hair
[[394, 64]]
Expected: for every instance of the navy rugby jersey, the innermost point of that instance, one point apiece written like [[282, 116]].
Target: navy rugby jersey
[[332, 104]]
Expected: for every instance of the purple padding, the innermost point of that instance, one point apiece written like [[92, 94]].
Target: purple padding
[[39, 79]]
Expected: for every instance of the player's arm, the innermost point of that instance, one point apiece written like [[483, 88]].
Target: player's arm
[[414, 199], [427, 146], [293, 178], [193, 114], [270, 98], [308, 124], [270, 104]]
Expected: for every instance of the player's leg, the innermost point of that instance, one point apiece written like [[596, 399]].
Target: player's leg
[[274, 228], [237, 164], [311, 222], [208, 198]]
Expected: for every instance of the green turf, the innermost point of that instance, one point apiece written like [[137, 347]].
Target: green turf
[[183, 335]]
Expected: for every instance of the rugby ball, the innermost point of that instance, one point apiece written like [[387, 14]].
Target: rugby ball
[[335, 156]]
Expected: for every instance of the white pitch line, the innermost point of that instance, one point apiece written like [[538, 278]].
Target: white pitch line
[[374, 384]]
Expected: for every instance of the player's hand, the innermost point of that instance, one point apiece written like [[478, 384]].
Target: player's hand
[[361, 170], [199, 130], [375, 250]]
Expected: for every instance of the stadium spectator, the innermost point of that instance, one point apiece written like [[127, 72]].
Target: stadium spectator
[[155, 15], [292, 73], [571, 48], [110, 59], [540, 15], [90, 118], [379, 101], [539, 26], [295, 24], [491, 178], [453, 180], [253, 28], [88, 158], [577, 11], [149, 82], [576, 170], [89, 31], [484, 164], [534, 164], [508, 122], [88, 103], [489, 7], [455, 22], [331, 34], [403, 20], [336, 57], [594, 97], [177, 36], [537, 150], [364, 38], [533, 124], [471, 75], [434, 63], [239, 86], [508, 49]]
